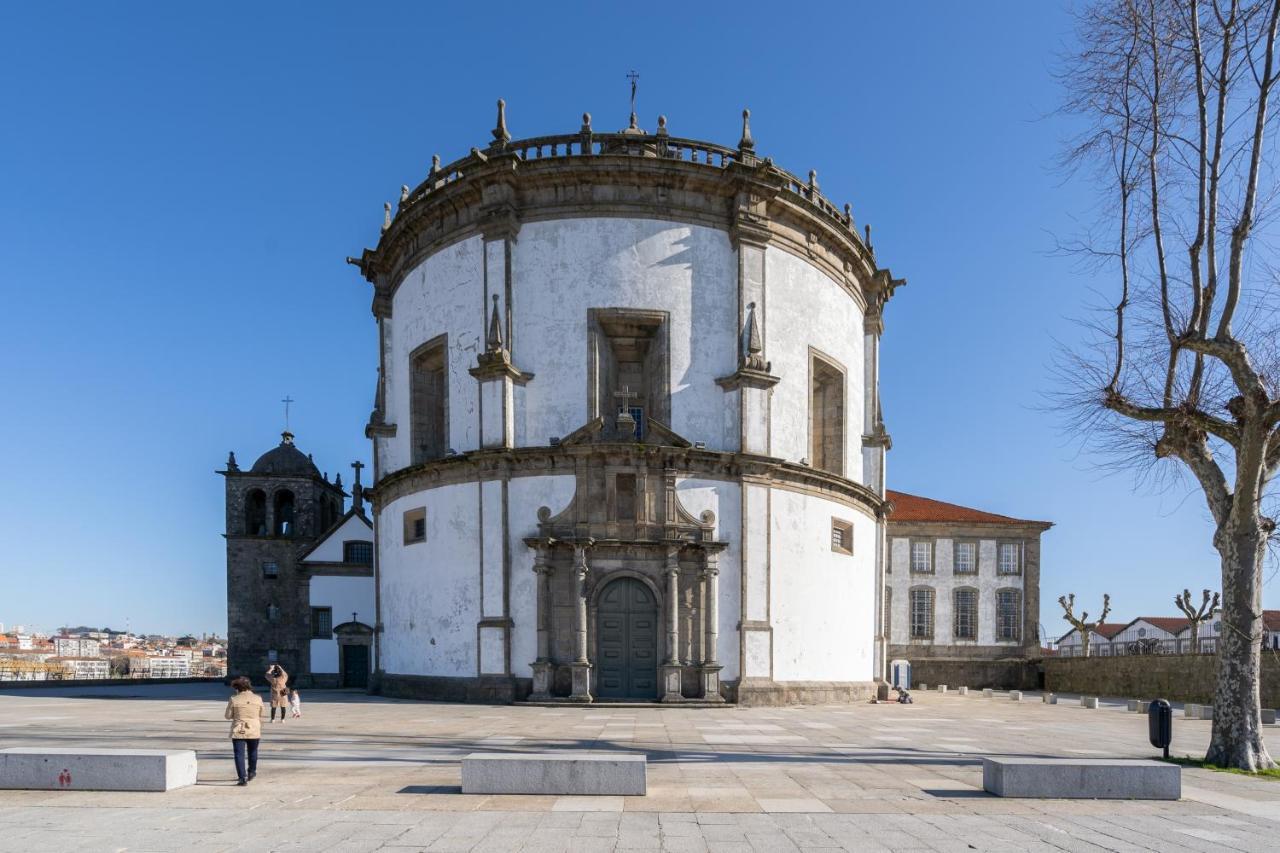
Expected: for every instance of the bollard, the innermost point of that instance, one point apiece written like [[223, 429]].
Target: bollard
[[1049, 698], [987, 693], [1015, 695], [923, 687], [1160, 725], [1088, 701], [963, 691]]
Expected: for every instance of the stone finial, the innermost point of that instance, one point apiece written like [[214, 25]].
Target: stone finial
[[586, 122], [435, 164], [848, 214], [357, 490], [500, 134], [386, 215], [231, 462], [337, 479], [662, 125], [746, 143], [753, 343], [868, 232], [493, 342], [404, 193], [813, 180]]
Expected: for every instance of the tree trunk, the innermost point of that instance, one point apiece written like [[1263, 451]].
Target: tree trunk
[[1237, 724], [1084, 644], [1195, 637]]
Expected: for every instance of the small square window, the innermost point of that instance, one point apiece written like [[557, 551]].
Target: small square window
[[415, 525], [841, 536], [270, 570], [360, 553], [321, 623], [273, 613]]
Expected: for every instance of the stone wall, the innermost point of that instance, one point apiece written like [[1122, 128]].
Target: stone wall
[[1178, 678], [997, 674]]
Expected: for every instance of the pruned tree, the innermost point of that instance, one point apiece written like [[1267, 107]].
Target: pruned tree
[[1196, 617], [1183, 377], [1081, 623]]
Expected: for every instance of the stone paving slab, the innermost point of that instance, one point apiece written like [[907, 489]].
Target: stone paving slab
[[360, 773]]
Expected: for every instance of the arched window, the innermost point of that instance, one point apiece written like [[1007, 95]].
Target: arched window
[[284, 513], [255, 513], [922, 613], [1009, 614], [966, 613]]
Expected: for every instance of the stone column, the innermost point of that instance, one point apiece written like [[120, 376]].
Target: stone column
[[581, 666], [671, 688], [711, 631], [543, 667]]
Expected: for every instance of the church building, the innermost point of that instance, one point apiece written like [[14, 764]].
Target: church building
[[627, 435], [300, 588]]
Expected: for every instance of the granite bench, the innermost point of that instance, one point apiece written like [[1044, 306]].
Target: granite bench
[[50, 769], [581, 773], [1082, 778]]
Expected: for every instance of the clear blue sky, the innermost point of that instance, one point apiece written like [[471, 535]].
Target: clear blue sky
[[179, 187]]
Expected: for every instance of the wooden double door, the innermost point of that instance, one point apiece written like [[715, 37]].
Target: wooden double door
[[627, 641]]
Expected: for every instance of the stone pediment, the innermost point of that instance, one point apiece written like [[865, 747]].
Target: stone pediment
[[605, 431]]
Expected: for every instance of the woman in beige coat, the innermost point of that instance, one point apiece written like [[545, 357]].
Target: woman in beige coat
[[279, 681], [244, 710]]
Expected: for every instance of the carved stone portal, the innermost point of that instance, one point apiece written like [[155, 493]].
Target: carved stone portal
[[620, 570]]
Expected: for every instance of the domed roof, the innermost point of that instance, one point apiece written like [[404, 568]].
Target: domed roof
[[286, 459]]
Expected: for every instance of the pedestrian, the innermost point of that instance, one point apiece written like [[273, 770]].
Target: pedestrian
[[295, 704], [244, 710], [279, 681]]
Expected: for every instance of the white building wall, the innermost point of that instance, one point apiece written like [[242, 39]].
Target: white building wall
[[346, 595], [807, 309], [725, 501], [430, 590], [524, 496], [822, 602]]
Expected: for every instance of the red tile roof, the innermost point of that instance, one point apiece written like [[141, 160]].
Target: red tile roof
[[1172, 624], [1271, 620], [914, 508]]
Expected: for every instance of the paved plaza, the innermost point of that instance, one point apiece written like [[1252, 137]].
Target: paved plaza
[[361, 773]]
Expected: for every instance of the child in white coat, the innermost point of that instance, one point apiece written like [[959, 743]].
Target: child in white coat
[[295, 704]]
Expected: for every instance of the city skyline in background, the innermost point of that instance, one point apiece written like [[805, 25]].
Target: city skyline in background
[[175, 237]]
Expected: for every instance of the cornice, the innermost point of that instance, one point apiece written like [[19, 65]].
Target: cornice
[[505, 464]]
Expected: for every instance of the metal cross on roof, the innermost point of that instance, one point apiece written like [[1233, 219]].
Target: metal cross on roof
[[634, 78], [287, 400]]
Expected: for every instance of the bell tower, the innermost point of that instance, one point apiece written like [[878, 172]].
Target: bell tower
[[275, 510]]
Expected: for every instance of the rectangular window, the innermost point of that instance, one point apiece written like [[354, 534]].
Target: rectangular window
[[625, 489], [273, 656], [360, 553], [428, 401], [1010, 558], [922, 614], [273, 613], [321, 623], [415, 525], [922, 556], [1009, 615], [826, 416], [270, 569], [888, 612], [965, 559], [841, 536], [966, 615]]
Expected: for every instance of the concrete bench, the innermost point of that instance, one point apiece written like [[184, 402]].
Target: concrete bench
[[1268, 716], [1138, 706], [1089, 702], [45, 769], [987, 693], [963, 691], [1197, 712], [1081, 778], [581, 773], [1015, 695], [942, 688], [1049, 698]]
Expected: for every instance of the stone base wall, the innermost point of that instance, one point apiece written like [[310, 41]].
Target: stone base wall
[[493, 689], [105, 682], [1012, 674], [760, 693], [1178, 678]]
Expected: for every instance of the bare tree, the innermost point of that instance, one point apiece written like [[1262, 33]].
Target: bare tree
[[1183, 378], [1196, 617], [1082, 623]]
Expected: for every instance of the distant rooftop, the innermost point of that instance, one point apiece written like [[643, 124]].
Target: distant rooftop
[[915, 508]]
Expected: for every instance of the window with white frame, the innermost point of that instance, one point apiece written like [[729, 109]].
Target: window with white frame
[[1009, 614], [966, 614], [1010, 561], [922, 613], [965, 559], [922, 556]]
